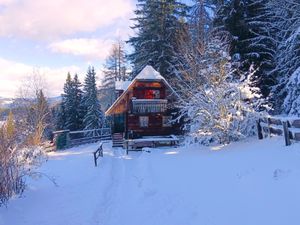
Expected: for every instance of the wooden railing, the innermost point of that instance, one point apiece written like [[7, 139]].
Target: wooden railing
[[89, 136], [149, 105], [289, 128], [66, 138], [98, 153]]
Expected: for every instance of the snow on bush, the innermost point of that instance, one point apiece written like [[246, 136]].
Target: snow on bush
[[17, 161], [217, 106]]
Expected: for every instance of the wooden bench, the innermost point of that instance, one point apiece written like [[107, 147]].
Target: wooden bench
[[134, 144]]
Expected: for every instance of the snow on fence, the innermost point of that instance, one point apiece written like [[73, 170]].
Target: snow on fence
[[289, 128], [66, 138]]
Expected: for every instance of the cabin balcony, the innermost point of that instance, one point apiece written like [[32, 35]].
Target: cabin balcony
[[142, 106]]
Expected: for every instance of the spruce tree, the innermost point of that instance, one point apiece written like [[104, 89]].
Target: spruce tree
[[93, 118], [71, 110], [79, 109], [66, 105], [247, 24], [158, 24], [287, 24]]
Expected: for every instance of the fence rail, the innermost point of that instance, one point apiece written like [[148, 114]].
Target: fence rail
[[289, 128], [66, 138]]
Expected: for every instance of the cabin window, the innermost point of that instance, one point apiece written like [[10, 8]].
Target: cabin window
[[144, 121], [166, 121], [152, 94]]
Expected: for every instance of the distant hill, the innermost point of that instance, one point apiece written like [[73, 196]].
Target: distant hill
[[6, 102], [9, 103], [54, 100]]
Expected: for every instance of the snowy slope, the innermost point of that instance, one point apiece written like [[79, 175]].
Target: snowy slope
[[246, 183]]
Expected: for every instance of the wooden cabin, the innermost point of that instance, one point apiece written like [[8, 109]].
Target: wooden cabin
[[145, 107]]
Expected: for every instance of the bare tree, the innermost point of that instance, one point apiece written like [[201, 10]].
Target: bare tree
[[34, 115], [20, 148]]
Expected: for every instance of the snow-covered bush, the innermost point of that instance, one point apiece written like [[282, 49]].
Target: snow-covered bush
[[217, 106], [17, 161]]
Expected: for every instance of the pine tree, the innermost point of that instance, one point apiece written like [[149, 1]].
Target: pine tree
[[158, 24], [60, 117], [247, 23], [286, 14], [79, 109], [71, 110], [65, 107], [94, 118]]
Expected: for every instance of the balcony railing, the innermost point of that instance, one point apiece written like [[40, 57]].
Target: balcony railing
[[149, 105]]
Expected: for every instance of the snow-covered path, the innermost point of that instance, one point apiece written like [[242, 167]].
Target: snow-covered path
[[253, 182]]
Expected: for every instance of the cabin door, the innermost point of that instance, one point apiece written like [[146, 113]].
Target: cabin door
[[119, 123]]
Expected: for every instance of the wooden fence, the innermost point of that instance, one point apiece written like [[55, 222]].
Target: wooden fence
[[66, 138], [289, 128], [98, 153]]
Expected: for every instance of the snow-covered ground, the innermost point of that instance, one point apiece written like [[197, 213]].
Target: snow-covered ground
[[246, 183]]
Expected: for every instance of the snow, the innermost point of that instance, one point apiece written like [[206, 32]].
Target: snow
[[122, 85], [249, 182], [149, 73]]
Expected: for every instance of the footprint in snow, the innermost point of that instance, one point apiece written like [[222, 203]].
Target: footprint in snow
[[279, 174]]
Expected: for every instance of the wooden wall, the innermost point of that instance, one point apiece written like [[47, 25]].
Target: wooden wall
[[155, 126]]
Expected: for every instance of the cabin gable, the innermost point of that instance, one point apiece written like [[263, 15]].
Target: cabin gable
[[145, 107]]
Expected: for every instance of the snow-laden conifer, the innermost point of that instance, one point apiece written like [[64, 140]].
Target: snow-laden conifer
[[93, 118]]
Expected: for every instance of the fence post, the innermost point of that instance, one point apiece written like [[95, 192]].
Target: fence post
[[95, 159], [269, 127], [259, 130], [101, 152], [286, 133], [68, 139]]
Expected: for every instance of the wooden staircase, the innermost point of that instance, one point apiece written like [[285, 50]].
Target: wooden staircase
[[117, 139]]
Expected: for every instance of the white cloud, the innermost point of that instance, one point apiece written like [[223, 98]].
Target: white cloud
[[88, 48], [12, 75], [43, 19], [6, 2]]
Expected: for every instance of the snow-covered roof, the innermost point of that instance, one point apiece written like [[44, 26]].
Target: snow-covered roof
[[149, 73], [122, 85]]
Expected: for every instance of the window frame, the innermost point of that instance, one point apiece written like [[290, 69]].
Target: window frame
[[144, 121]]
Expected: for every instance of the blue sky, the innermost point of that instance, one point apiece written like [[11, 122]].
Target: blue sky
[[57, 36]]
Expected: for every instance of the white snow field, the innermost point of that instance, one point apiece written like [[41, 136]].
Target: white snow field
[[247, 183]]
